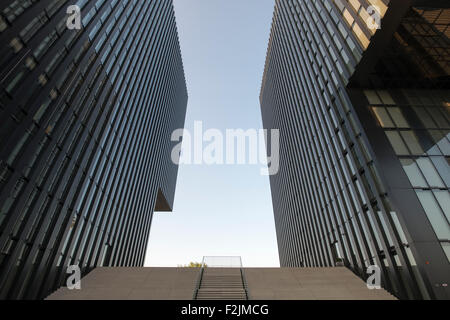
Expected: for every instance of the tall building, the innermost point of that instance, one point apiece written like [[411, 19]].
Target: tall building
[[360, 92], [86, 120]]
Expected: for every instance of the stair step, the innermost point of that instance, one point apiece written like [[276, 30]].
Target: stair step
[[216, 285]]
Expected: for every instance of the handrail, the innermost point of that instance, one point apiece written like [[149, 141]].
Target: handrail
[[244, 282], [199, 282], [222, 261]]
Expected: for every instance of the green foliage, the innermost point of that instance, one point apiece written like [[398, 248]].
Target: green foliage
[[192, 265]]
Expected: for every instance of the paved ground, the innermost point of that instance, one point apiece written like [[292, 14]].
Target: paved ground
[[133, 284], [309, 284], [180, 283]]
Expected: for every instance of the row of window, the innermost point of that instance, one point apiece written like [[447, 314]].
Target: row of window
[[436, 117], [360, 19]]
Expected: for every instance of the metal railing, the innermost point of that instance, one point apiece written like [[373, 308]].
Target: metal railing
[[221, 262], [244, 282], [199, 282]]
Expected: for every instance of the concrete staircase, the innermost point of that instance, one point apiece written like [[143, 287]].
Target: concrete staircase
[[222, 284]]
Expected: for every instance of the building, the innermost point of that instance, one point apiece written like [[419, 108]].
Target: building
[[363, 105], [86, 120]]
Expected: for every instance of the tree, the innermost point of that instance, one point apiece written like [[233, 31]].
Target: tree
[[193, 265]]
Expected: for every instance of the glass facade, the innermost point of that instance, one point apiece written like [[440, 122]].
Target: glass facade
[[85, 146], [363, 179], [419, 132]]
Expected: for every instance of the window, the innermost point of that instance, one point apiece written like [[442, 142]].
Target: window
[[386, 97], [435, 214], [412, 142], [383, 117], [397, 143], [372, 97], [446, 248], [413, 173], [430, 173], [443, 197], [398, 117]]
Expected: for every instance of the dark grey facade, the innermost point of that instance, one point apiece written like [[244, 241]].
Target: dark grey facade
[[85, 151], [364, 119]]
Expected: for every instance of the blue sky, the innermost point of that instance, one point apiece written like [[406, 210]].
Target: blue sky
[[220, 209]]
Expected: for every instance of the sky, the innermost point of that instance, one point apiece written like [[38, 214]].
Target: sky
[[220, 210]]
